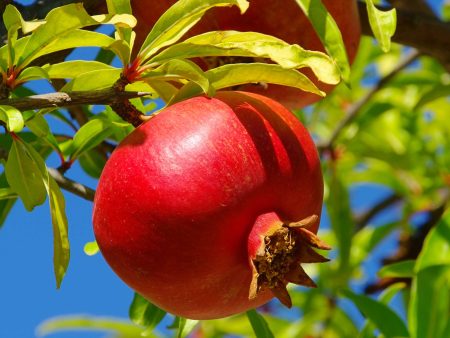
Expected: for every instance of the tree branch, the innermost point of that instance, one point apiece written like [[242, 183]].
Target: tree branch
[[356, 107], [106, 96], [72, 186]]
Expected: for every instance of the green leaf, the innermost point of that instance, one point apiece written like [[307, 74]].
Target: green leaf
[[386, 320], [252, 44], [39, 127], [338, 205], [13, 18], [144, 313], [24, 176], [57, 32], [383, 24], [121, 7], [97, 79], [177, 20], [61, 246], [12, 117], [237, 74], [90, 135], [122, 328], [259, 325], [32, 73], [73, 69], [436, 92], [430, 302], [385, 298], [7, 193], [92, 162], [91, 248], [180, 69], [328, 32], [403, 269], [185, 326], [436, 247]]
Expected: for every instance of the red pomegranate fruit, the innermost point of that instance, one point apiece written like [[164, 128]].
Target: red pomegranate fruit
[[209, 208], [282, 18]]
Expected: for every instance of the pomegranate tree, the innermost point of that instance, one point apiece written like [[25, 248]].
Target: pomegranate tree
[[283, 19], [210, 207]]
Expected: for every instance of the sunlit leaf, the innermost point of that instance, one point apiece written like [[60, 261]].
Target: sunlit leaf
[[437, 92], [92, 162], [144, 313], [430, 302], [61, 246], [180, 69], [72, 69], [403, 269], [32, 73], [328, 32], [90, 135], [91, 248], [259, 325], [237, 74], [12, 117], [185, 326], [97, 79], [177, 20], [252, 44], [75, 323], [39, 126], [24, 176], [386, 320], [383, 24]]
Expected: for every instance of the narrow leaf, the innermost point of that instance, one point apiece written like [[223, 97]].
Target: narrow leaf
[[436, 248], [90, 135], [386, 320], [429, 306], [403, 269], [383, 24], [61, 246], [144, 313], [259, 325], [24, 176], [72, 69], [180, 69], [97, 79], [252, 44], [328, 32], [238, 74], [177, 20], [185, 326], [12, 117]]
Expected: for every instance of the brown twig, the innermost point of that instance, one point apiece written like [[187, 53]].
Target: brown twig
[[72, 186], [363, 219], [106, 96], [356, 107]]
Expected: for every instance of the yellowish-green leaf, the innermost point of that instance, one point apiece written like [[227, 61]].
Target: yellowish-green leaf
[[12, 117], [180, 69], [72, 69], [237, 74], [93, 80], [177, 20], [383, 24], [328, 32], [91, 248], [24, 176], [256, 45]]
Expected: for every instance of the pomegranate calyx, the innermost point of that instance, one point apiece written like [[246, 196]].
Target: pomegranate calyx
[[278, 259]]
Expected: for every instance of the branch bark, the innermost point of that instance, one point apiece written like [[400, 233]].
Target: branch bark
[[106, 96], [72, 186]]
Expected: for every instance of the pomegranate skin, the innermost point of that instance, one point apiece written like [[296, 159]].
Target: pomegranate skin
[[178, 199], [282, 18]]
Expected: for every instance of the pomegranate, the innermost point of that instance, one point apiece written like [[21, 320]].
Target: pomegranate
[[209, 208], [282, 19]]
